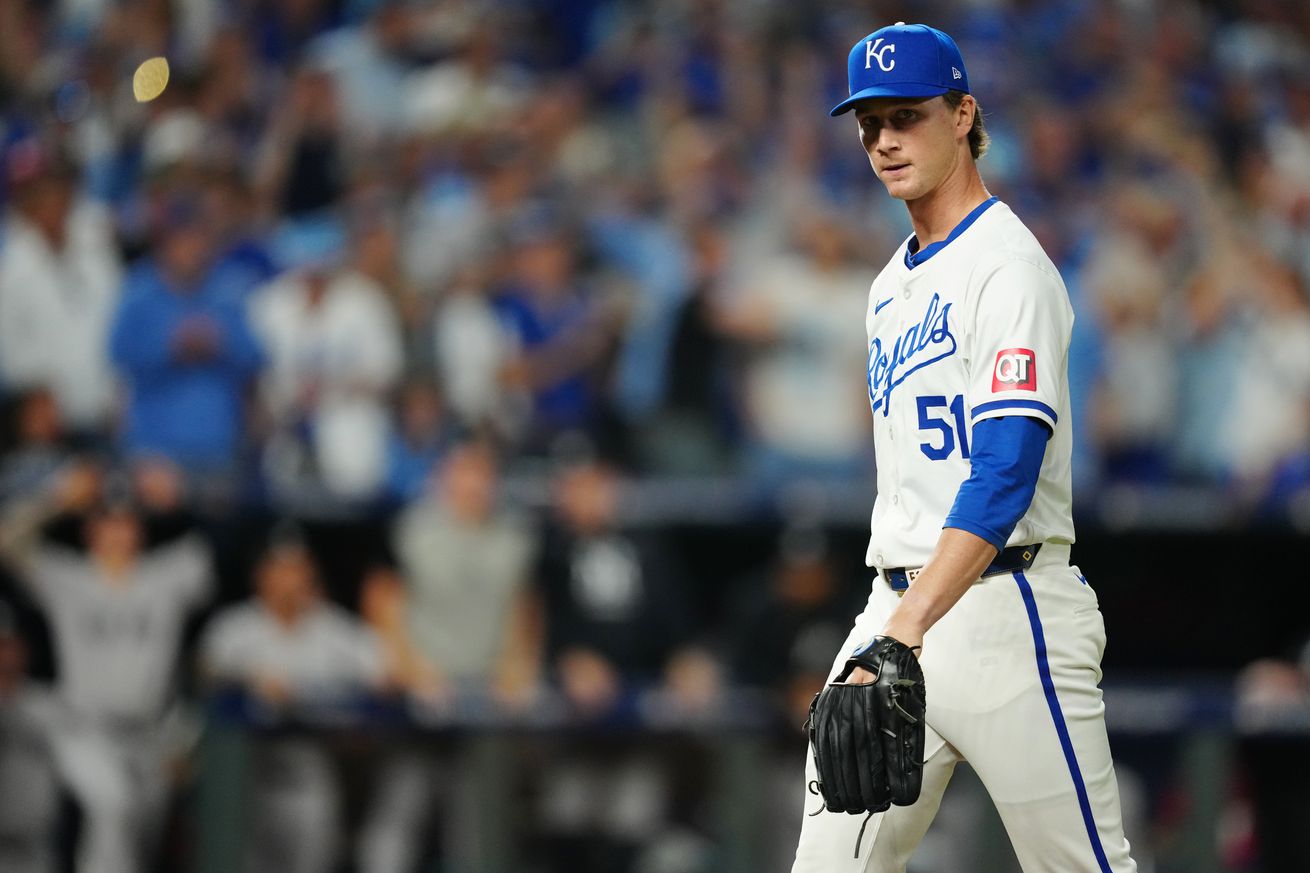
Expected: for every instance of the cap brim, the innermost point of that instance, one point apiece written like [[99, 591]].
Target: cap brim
[[900, 89]]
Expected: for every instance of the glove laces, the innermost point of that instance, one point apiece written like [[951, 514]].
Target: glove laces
[[813, 787]]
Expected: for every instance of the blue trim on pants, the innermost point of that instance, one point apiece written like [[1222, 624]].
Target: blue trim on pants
[[1057, 716]]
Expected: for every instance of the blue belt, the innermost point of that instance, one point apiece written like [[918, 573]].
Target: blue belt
[[1009, 560]]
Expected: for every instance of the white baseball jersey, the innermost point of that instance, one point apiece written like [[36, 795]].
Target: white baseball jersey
[[978, 329]]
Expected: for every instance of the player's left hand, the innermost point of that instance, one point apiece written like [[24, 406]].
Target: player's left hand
[[904, 632], [913, 640], [867, 738]]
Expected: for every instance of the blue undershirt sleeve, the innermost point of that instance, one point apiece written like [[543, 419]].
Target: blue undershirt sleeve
[[1006, 454]]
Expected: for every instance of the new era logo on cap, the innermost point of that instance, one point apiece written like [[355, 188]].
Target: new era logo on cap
[[903, 60]]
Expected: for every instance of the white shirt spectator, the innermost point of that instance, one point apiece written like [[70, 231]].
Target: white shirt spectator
[[55, 308], [457, 96], [1140, 381], [471, 347], [1271, 410], [333, 363], [805, 389], [447, 227], [368, 78], [1128, 287]]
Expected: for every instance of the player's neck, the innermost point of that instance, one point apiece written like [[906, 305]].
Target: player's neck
[[935, 214]]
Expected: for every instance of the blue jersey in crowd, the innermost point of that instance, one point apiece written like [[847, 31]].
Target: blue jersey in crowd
[[189, 410]]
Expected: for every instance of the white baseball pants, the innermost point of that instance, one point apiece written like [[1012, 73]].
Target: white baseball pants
[[1012, 673]]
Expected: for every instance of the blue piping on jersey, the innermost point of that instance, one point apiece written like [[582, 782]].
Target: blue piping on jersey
[[1015, 404], [1057, 716], [914, 258]]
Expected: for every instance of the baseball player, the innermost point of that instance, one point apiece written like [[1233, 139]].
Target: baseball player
[[968, 330], [117, 613]]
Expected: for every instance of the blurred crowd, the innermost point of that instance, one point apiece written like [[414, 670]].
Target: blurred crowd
[[349, 233], [365, 259]]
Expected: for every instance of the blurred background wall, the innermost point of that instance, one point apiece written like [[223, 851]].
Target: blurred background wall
[[435, 433]]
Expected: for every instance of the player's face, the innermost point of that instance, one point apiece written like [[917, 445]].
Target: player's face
[[913, 145]]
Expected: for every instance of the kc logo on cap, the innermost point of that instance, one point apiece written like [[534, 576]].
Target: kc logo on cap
[[903, 60], [872, 52]]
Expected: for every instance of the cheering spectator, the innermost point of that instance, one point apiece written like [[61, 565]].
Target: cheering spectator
[[472, 347], [1272, 462], [563, 332], [369, 64], [1136, 398], [184, 349], [475, 90], [59, 280], [335, 353], [802, 315], [689, 433], [300, 168], [117, 614]]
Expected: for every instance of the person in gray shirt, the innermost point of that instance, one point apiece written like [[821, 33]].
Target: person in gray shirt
[[460, 618], [466, 563], [117, 613]]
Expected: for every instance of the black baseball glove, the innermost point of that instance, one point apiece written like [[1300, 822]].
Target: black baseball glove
[[868, 739]]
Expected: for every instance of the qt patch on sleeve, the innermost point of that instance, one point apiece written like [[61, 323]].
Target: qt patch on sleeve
[[1015, 370]]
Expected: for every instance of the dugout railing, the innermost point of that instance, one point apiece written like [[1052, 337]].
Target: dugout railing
[[1194, 722]]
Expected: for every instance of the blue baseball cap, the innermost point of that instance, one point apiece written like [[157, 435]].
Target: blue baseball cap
[[903, 60]]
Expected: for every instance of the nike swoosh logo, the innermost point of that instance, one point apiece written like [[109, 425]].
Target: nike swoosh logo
[[879, 307]]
